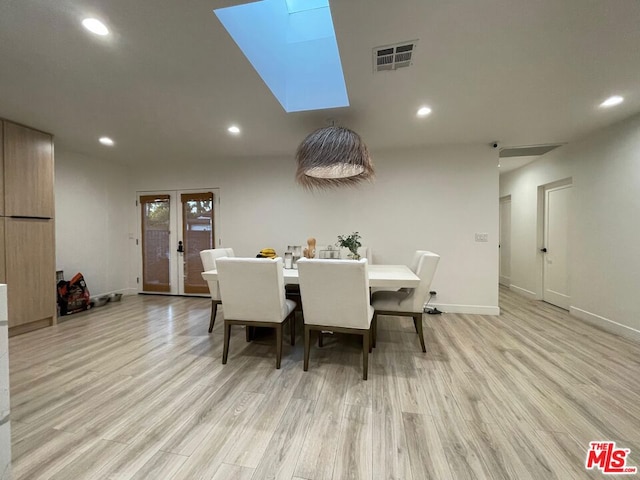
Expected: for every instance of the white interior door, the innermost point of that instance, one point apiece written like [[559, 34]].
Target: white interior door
[[555, 249], [505, 240], [174, 227]]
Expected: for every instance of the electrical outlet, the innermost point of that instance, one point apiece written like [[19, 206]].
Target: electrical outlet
[[433, 292], [482, 237]]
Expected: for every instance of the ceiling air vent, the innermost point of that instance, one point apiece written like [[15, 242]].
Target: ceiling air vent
[[528, 151], [392, 57]]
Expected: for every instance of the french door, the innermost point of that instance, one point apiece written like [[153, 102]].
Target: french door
[[174, 227]]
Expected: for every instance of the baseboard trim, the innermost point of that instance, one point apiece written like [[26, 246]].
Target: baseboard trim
[[523, 291], [474, 309], [506, 281], [605, 323], [29, 327]]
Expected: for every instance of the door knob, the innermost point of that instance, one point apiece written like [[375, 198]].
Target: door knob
[[180, 247], [543, 250]]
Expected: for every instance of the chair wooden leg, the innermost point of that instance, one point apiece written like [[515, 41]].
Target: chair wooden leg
[[214, 311], [306, 347], [292, 327], [320, 339], [415, 325], [278, 345], [227, 335], [371, 338], [365, 354], [374, 330], [248, 332], [417, 319]]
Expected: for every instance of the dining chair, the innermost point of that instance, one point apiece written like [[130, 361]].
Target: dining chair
[[414, 268], [408, 302], [293, 291], [252, 292], [336, 298], [209, 258], [415, 261]]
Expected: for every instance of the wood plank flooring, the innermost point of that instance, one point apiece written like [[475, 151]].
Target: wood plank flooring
[[136, 390]]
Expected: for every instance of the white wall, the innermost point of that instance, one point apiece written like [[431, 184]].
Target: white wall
[[604, 264], [434, 199], [94, 205]]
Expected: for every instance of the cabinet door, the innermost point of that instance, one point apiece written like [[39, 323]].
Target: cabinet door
[[3, 272], [28, 172], [30, 267]]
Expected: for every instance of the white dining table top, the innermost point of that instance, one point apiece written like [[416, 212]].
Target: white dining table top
[[389, 276]]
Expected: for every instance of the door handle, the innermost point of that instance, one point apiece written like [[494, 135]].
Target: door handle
[[543, 250], [180, 247]]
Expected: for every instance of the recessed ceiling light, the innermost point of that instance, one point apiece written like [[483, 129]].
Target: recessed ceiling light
[[612, 101], [233, 129], [95, 26], [423, 111], [106, 141]]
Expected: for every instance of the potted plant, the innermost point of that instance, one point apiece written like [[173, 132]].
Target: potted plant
[[352, 242]]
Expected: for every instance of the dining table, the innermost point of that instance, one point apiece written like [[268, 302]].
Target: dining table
[[387, 276]]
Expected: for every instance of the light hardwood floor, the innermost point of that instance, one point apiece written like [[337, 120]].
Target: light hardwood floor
[[136, 390]]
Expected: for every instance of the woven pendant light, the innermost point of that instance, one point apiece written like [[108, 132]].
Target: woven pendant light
[[332, 157]]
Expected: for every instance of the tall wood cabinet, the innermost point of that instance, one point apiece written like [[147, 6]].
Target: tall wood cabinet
[[27, 244]]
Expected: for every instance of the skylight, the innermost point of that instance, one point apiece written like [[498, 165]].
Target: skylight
[[292, 45]]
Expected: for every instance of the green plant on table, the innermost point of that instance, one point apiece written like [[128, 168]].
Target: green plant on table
[[352, 242]]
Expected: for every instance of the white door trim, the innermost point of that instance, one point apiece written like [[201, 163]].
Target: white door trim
[[505, 243]]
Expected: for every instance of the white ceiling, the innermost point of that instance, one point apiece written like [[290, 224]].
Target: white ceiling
[[169, 80]]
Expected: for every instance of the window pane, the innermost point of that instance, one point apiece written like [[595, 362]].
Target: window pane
[[197, 214], [155, 243]]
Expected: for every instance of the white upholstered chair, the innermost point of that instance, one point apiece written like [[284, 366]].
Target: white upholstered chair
[[415, 261], [413, 266], [252, 292], [409, 302], [293, 291], [209, 258], [335, 294]]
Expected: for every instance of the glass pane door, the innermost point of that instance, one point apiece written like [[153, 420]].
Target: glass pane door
[[175, 226], [155, 243], [197, 235]]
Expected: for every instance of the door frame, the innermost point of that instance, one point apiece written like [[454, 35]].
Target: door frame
[[175, 215], [540, 240], [506, 281]]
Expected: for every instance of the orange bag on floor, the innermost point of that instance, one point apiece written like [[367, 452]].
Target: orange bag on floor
[[73, 296]]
